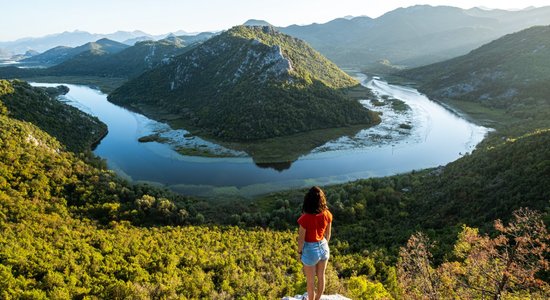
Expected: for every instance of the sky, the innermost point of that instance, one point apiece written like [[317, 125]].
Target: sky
[[33, 18]]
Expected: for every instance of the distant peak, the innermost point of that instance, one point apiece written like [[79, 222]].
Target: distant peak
[[254, 22], [483, 8], [104, 40], [252, 30]]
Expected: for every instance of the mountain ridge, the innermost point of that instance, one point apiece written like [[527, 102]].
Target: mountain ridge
[[363, 42], [106, 59], [61, 54], [498, 73], [130, 61]]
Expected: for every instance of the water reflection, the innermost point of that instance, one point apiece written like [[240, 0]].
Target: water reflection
[[279, 166]]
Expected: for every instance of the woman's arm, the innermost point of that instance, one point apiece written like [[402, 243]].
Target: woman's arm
[[328, 231], [301, 238]]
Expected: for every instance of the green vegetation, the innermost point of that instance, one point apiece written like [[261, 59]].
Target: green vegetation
[[399, 105], [129, 62], [152, 138], [73, 128], [249, 83], [61, 54], [107, 62], [75, 230], [377, 102], [504, 81], [200, 151], [70, 229], [381, 213], [503, 267]]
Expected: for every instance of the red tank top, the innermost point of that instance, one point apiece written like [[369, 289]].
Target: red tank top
[[315, 225]]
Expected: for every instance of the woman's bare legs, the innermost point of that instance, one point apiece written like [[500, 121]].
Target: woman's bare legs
[[310, 280], [320, 271]]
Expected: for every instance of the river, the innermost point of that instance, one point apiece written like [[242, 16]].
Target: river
[[438, 136]]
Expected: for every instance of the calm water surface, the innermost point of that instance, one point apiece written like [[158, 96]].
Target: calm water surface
[[438, 137]]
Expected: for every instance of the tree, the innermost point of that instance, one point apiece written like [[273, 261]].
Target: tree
[[506, 265], [417, 277]]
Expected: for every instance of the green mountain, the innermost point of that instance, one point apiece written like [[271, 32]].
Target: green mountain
[[510, 74], [74, 129], [254, 22], [107, 59], [413, 36], [131, 61], [248, 83], [60, 54], [69, 39], [498, 73]]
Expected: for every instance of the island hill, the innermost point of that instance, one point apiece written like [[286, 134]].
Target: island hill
[[249, 83]]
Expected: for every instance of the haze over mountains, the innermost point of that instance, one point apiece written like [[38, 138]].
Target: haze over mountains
[[75, 39], [131, 61], [516, 66], [414, 36], [437, 33], [60, 54], [105, 58], [510, 75]]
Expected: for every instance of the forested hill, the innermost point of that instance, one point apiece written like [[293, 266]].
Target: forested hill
[[249, 83], [129, 62], [103, 59], [60, 54], [516, 66], [76, 130]]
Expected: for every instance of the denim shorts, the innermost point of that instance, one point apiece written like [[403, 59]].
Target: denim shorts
[[313, 252]]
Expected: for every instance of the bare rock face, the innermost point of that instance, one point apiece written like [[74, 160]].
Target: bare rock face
[[263, 61]]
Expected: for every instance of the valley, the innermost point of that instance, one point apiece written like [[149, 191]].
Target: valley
[[437, 136], [174, 165]]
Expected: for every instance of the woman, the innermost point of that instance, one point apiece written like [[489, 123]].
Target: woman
[[313, 237]]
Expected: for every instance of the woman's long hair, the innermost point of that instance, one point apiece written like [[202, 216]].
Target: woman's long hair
[[314, 201]]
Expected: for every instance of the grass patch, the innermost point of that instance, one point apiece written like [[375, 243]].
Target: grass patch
[[377, 102], [152, 138], [480, 114], [200, 151], [399, 105], [359, 92]]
